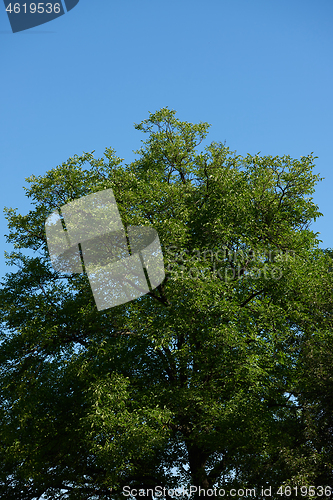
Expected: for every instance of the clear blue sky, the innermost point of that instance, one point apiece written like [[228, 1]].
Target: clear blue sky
[[260, 71]]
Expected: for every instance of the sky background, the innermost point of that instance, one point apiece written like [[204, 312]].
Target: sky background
[[260, 72]]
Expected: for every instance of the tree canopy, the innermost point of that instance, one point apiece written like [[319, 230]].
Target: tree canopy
[[219, 377]]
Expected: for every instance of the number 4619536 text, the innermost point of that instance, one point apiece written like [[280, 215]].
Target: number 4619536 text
[[34, 8]]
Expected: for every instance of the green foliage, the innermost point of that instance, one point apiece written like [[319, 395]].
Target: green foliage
[[220, 376]]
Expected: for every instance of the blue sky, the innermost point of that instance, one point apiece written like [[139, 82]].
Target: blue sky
[[259, 71]]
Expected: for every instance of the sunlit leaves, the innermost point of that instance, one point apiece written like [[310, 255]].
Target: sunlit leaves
[[213, 369]]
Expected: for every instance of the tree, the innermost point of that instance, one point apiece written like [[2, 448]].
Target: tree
[[204, 381]]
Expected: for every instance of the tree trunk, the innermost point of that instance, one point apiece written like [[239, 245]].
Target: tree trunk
[[197, 460]]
